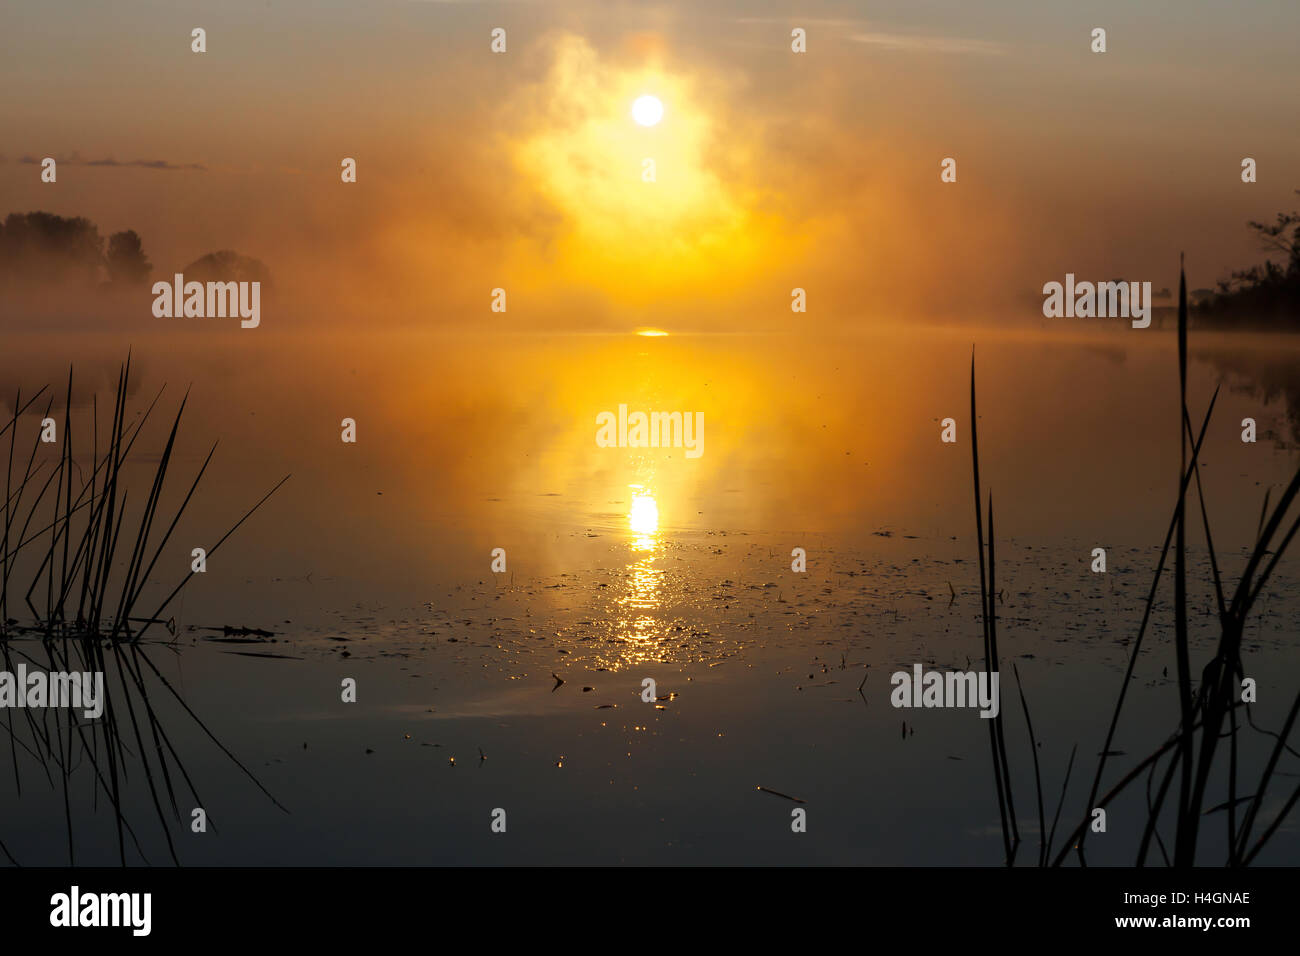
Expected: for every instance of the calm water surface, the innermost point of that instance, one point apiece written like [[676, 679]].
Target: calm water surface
[[373, 562]]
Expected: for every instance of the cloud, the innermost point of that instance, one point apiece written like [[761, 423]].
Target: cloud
[[799, 21], [904, 42], [920, 43], [75, 160]]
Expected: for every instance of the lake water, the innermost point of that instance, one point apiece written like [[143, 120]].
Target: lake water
[[374, 562]]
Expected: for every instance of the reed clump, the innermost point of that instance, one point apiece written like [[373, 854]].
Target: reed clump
[[1191, 761], [74, 571]]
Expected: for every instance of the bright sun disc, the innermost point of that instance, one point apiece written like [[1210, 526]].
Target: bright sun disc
[[647, 110]]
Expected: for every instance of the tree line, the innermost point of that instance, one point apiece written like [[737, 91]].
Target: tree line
[[41, 248], [1267, 294]]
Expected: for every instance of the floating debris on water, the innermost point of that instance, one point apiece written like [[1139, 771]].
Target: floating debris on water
[[778, 793]]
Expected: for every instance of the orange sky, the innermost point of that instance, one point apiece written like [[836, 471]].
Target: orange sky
[[774, 170]]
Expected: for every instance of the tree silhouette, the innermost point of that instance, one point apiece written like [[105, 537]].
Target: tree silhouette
[[126, 261], [227, 266], [1268, 293], [43, 247], [1275, 237]]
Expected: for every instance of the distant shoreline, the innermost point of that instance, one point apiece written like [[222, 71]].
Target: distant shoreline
[[1200, 317]]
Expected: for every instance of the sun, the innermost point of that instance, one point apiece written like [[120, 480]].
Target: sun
[[647, 110]]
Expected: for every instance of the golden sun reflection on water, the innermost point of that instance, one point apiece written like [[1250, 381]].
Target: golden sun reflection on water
[[643, 520], [637, 627]]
